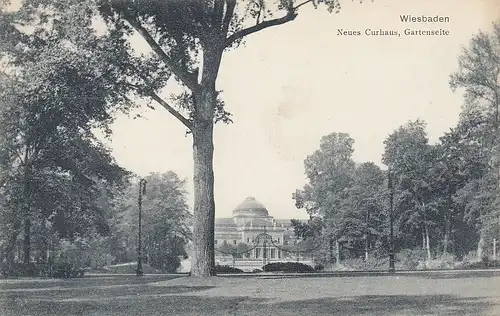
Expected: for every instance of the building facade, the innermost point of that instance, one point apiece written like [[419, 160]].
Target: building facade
[[256, 237]]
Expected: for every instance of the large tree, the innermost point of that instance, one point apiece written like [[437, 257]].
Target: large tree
[[330, 171], [410, 160], [462, 161], [364, 208], [52, 163], [165, 221], [187, 40], [478, 76]]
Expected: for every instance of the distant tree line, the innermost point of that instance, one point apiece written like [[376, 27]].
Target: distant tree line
[[446, 194]]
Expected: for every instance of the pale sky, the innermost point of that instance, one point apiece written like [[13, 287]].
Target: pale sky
[[292, 84]]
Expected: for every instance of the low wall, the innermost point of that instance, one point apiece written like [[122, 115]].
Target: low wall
[[250, 265], [245, 265]]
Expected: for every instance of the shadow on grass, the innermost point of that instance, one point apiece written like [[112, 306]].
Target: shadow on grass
[[386, 305], [140, 305], [83, 294], [77, 283], [459, 275], [199, 305]]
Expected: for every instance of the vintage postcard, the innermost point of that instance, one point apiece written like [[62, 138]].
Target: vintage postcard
[[249, 157]]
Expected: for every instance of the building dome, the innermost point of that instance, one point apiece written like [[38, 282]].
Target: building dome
[[250, 207]]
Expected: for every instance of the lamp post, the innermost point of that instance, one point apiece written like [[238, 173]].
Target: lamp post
[[142, 190], [391, 219]]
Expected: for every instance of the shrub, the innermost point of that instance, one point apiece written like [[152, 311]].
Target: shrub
[[227, 269], [57, 270], [483, 264], [13, 270], [65, 270], [256, 271], [371, 264], [410, 258], [319, 267], [287, 267], [445, 263], [469, 257]]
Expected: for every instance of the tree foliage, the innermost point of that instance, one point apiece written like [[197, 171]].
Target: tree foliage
[[186, 41], [445, 194], [165, 222], [54, 170], [344, 200]]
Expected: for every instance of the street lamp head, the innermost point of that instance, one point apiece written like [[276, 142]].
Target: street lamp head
[[142, 185]]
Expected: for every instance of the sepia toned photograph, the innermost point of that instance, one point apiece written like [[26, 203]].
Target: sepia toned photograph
[[249, 157]]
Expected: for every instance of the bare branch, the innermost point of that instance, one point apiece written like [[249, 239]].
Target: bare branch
[[230, 5], [301, 4], [261, 5], [162, 102], [19, 156], [171, 110], [290, 16], [187, 78]]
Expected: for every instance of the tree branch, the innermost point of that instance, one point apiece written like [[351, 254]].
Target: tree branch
[[187, 78], [218, 12], [299, 5], [171, 110], [19, 155], [290, 16], [162, 102], [230, 5]]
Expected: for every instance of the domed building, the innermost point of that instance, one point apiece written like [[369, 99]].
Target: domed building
[[255, 236]]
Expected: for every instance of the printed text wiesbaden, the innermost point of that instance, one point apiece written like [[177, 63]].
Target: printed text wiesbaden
[[408, 18]]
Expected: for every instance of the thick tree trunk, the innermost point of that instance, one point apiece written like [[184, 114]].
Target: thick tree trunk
[[204, 205], [203, 261]]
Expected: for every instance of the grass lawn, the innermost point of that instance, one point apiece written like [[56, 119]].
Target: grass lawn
[[266, 295]]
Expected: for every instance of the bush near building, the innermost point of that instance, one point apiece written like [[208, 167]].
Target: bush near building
[[287, 267], [486, 263], [227, 269]]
